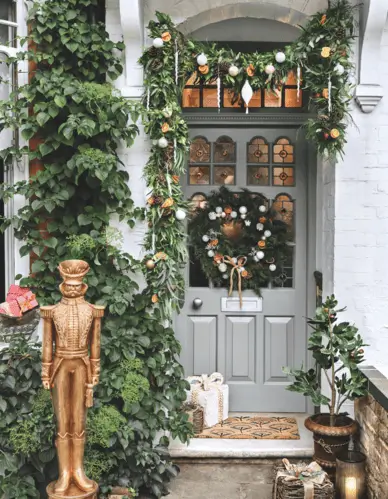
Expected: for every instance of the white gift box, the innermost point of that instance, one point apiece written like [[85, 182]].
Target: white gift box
[[212, 395]]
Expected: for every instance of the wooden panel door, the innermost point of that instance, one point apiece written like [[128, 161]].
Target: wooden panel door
[[250, 348]]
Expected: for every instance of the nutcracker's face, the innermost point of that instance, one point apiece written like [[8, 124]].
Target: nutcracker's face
[[73, 290]]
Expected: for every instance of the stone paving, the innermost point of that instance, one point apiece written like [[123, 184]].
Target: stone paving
[[224, 481]]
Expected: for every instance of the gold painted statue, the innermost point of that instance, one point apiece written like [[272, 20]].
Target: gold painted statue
[[74, 326]]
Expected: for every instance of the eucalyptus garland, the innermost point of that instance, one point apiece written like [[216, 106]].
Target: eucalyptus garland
[[320, 57], [240, 241]]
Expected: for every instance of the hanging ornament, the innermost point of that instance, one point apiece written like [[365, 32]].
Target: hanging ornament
[[163, 142], [329, 95], [222, 267], [225, 276], [272, 267], [269, 69], [158, 43], [255, 259], [167, 112], [180, 215], [247, 94], [234, 214], [148, 98], [212, 215], [166, 36], [247, 223], [210, 253], [233, 70], [205, 238], [242, 209], [176, 63], [150, 264], [260, 255], [201, 59], [267, 233], [280, 57], [262, 208], [219, 91], [243, 216], [218, 209], [260, 226], [298, 82], [339, 69], [334, 133]]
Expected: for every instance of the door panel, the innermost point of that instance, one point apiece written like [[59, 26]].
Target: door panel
[[250, 349]]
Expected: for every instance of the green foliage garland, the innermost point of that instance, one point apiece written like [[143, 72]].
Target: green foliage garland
[[259, 245], [74, 121]]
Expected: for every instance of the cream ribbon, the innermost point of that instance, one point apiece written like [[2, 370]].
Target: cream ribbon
[[241, 261], [206, 383], [309, 475]]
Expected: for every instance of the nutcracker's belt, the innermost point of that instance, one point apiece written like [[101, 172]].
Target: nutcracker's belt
[[64, 353]]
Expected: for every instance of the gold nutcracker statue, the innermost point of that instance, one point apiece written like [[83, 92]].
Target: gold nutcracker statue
[[74, 326]]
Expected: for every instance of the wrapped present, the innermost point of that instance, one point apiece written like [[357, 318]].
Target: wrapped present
[[10, 308], [27, 302], [212, 395], [302, 481], [19, 301]]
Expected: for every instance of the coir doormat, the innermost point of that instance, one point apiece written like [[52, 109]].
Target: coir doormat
[[257, 427]]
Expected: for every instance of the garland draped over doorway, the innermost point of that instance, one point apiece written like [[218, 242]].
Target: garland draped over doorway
[[321, 59]]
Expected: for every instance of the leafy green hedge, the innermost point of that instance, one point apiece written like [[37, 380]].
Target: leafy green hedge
[[76, 120]]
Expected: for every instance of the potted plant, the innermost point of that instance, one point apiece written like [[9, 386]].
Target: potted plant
[[337, 349]]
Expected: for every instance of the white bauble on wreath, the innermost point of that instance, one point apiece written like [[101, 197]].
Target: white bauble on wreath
[[202, 59], [262, 208], [243, 210], [158, 43], [267, 233], [272, 267], [163, 142], [269, 69], [180, 215], [260, 255], [222, 267], [233, 70], [205, 238], [280, 57], [212, 215], [210, 253]]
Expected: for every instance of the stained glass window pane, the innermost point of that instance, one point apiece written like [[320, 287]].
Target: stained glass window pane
[[224, 150], [258, 175], [224, 175], [283, 205], [191, 97], [258, 151], [292, 99], [198, 201], [273, 99], [283, 176], [199, 175], [283, 151], [199, 151], [210, 97], [286, 277]]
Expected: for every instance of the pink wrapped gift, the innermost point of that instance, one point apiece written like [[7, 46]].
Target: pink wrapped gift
[[10, 308], [27, 302]]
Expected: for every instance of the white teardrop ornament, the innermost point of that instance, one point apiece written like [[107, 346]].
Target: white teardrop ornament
[[247, 94]]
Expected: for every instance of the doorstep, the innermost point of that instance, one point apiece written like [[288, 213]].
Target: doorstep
[[227, 448]]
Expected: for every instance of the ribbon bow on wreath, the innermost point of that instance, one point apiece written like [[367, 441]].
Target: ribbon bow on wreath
[[239, 267]]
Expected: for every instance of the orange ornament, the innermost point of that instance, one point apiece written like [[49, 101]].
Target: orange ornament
[[228, 210], [325, 52], [262, 220], [261, 244], [325, 93], [151, 200], [165, 127], [213, 242], [218, 258], [161, 256], [175, 179], [169, 202], [250, 70], [334, 133], [203, 69], [323, 20], [155, 298], [245, 273], [166, 36]]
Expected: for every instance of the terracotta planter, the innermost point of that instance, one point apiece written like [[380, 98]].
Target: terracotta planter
[[330, 440]]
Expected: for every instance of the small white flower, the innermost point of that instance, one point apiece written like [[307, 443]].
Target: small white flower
[[255, 258], [243, 216], [219, 209], [223, 214], [262, 208], [259, 226], [222, 267], [272, 267], [234, 214], [210, 254], [267, 233], [263, 238], [212, 215], [247, 223], [225, 276], [243, 210], [205, 238]]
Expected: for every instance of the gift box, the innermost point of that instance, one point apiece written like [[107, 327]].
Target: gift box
[[301, 481], [27, 302], [19, 301], [210, 393]]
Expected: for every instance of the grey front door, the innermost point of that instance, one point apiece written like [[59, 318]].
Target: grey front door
[[250, 348]]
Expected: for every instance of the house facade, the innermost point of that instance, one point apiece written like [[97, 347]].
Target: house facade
[[339, 211]]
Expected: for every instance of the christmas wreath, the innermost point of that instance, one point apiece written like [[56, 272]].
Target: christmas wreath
[[240, 241]]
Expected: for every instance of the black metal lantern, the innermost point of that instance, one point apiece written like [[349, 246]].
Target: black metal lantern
[[350, 481]]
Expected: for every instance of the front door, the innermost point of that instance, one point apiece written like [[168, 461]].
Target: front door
[[249, 347]]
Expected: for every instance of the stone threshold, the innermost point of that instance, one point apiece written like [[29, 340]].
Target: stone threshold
[[214, 448]]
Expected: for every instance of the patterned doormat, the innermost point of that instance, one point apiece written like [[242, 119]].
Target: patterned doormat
[[257, 427]]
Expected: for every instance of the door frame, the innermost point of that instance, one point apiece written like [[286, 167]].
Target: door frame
[[284, 119]]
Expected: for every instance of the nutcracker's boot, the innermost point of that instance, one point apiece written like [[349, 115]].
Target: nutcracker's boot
[[79, 476], [64, 456]]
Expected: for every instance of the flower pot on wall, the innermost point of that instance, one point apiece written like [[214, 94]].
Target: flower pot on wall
[[330, 440]]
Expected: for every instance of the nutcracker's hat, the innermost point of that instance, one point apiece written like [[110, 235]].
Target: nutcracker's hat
[[73, 271]]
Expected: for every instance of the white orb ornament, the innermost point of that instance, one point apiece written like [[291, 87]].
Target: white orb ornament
[[210, 253], [255, 259], [262, 208], [219, 209], [225, 276], [259, 226], [339, 69], [212, 215], [233, 70], [267, 233], [163, 142], [243, 210], [272, 267], [234, 214], [222, 267], [269, 69], [223, 214], [263, 238], [280, 57], [260, 255], [158, 43], [180, 215], [243, 216], [202, 59], [205, 238], [246, 93]]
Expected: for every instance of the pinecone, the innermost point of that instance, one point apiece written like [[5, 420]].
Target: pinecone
[[341, 32], [323, 118], [223, 68], [158, 200], [153, 51]]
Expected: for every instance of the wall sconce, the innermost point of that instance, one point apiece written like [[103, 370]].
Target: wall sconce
[[350, 481]]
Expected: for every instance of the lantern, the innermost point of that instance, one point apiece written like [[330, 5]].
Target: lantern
[[350, 478]]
